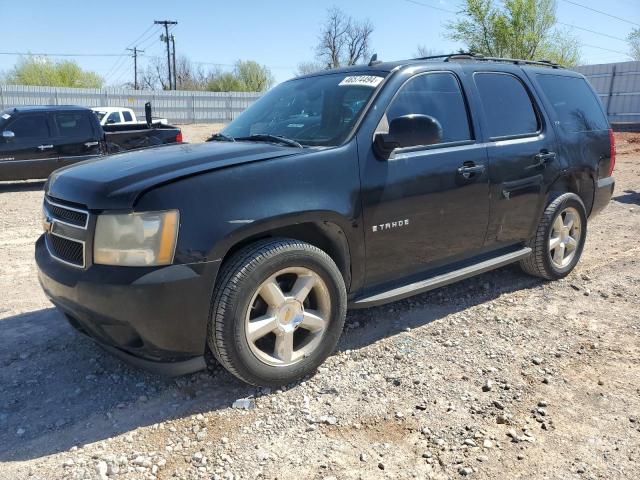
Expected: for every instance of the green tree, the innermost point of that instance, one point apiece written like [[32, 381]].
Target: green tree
[[255, 77], [523, 29], [225, 82], [40, 71], [634, 43], [247, 76]]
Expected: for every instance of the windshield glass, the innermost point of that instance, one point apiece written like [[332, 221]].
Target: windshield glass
[[100, 115], [314, 111]]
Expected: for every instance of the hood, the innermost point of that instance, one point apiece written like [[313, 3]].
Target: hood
[[115, 182]]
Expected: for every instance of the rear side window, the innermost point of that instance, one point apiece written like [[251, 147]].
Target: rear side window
[[437, 95], [127, 116], [506, 104], [73, 125], [576, 106], [30, 126]]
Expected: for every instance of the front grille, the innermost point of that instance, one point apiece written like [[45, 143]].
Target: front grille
[[66, 214], [65, 249]]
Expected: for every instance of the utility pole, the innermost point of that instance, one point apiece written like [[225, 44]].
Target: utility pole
[[175, 72], [165, 38], [135, 65]]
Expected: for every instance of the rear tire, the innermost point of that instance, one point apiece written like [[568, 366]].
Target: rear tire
[[277, 312], [559, 239]]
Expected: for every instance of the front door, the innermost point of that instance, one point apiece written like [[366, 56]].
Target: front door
[[30, 153], [425, 206]]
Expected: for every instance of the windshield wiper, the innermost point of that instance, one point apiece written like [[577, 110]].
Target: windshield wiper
[[265, 137], [220, 137]]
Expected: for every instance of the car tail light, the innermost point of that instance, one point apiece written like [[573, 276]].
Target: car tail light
[[179, 137], [612, 152]]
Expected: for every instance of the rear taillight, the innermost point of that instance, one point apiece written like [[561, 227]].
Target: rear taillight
[[612, 152], [179, 137]]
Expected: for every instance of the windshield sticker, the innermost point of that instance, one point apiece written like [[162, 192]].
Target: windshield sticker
[[6, 116], [361, 81]]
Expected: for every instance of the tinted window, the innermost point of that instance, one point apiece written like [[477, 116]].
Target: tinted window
[[30, 126], [575, 104], [315, 111], [113, 117], [506, 104], [73, 124], [127, 116], [437, 95]]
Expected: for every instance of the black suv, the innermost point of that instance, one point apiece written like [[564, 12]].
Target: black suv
[[343, 189]]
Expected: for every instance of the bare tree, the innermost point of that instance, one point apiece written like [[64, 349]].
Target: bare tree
[[305, 68], [343, 40], [358, 40]]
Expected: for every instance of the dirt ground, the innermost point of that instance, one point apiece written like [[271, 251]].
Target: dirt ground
[[502, 376]]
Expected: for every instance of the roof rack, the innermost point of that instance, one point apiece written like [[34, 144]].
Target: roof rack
[[478, 57]]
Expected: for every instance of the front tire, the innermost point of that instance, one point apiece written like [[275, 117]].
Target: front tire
[[277, 312], [559, 240]]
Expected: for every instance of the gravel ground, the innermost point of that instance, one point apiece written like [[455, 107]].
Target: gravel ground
[[499, 376]]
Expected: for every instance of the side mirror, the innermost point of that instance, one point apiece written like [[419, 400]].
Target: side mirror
[[408, 131], [110, 121], [8, 136]]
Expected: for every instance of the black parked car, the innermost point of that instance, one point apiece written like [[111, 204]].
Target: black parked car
[[345, 188], [35, 141]]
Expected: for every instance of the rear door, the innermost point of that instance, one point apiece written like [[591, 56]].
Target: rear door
[[522, 153], [30, 153], [76, 136]]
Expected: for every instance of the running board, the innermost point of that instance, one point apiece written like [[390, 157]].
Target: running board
[[440, 280]]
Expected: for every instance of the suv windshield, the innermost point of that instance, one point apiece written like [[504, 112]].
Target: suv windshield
[[313, 111]]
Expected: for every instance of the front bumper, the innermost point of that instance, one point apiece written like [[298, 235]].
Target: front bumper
[[155, 318], [602, 194]]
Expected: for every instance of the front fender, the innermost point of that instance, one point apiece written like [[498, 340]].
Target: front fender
[[225, 207]]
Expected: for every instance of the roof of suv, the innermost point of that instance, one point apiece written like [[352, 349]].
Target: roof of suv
[[441, 61], [40, 108]]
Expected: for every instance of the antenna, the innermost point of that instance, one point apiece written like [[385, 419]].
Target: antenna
[[374, 60]]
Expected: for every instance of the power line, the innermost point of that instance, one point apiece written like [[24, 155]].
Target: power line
[[66, 54], [415, 2], [605, 49], [601, 12], [592, 31]]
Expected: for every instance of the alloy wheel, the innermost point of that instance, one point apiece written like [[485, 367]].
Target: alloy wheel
[[288, 316]]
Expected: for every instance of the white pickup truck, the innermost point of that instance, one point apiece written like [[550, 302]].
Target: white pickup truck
[[121, 116]]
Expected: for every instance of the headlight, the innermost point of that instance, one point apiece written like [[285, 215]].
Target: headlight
[[136, 239]]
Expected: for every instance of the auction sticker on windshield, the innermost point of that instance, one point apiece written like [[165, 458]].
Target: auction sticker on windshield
[[361, 81]]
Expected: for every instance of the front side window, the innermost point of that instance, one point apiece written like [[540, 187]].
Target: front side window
[[506, 104], [437, 95], [113, 117], [73, 125], [314, 111], [30, 126], [575, 104]]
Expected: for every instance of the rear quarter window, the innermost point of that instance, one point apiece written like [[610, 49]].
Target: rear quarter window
[[507, 105], [576, 107]]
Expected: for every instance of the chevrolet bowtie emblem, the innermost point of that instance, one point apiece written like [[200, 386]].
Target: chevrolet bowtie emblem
[[47, 223]]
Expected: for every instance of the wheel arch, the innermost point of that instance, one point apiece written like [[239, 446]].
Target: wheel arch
[[580, 182], [324, 231]]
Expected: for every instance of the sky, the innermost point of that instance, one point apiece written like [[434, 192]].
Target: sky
[[277, 33]]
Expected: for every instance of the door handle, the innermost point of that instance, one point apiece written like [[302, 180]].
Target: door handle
[[45, 147], [542, 159], [468, 170], [91, 144]]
